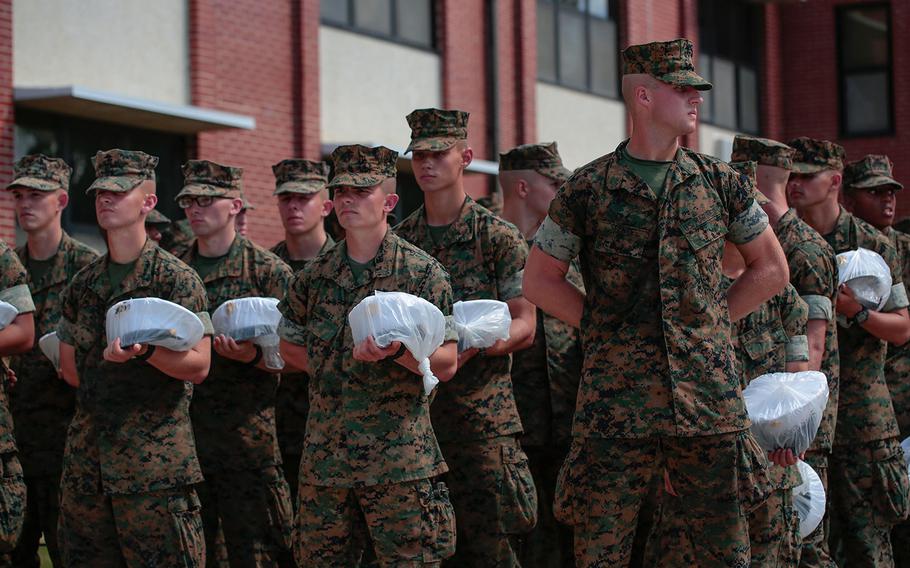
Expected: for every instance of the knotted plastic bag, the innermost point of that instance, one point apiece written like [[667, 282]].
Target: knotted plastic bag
[[50, 346], [8, 313], [786, 409], [868, 276], [808, 499], [252, 319], [397, 316], [481, 323], [153, 321]]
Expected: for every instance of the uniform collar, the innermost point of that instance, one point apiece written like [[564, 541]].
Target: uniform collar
[[141, 276], [57, 273], [231, 267], [381, 267], [620, 178], [839, 238], [460, 231]]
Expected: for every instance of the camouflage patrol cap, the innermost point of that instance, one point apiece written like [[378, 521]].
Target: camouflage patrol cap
[[812, 156], [436, 130], [765, 151], [667, 61], [300, 176], [203, 177], [155, 217], [749, 168], [122, 170], [542, 158], [37, 171], [872, 171], [362, 166]]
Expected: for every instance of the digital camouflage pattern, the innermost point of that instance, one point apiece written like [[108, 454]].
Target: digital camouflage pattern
[[300, 176], [410, 523], [37, 171], [897, 363], [718, 479], [655, 327], [541, 158], [155, 217], [871, 171], [750, 170], [485, 257], [435, 130], [281, 249], [122, 170], [203, 177], [667, 61], [131, 432], [368, 422], [177, 237], [42, 404], [158, 528], [774, 530], [361, 166], [812, 156], [764, 151]]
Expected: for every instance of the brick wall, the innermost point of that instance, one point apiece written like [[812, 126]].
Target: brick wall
[[7, 120]]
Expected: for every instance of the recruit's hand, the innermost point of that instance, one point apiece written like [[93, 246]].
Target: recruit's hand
[[466, 356], [783, 457], [846, 302], [367, 350], [117, 354], [243, 351]]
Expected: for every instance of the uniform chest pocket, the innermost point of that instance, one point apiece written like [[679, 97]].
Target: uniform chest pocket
[[476, 284], [325, 327], [622, 240], [761, 343], [704, 230]]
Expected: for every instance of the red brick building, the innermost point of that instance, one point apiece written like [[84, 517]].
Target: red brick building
[[249, 83]]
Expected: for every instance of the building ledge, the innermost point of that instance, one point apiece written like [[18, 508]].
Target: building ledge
[[77, 101]]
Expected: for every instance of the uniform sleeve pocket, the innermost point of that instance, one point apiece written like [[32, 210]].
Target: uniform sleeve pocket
[[759, 343], [703, 230]]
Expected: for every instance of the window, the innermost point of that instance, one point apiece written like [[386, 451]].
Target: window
[[730, 47], [77, 140], [864, 57], [405, 21], [577, 44]]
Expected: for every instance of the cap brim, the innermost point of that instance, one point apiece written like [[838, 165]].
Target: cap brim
[[431, 144], [200, 190], [306, 187], [876, 181], [559, 174], [687, 78], [806, 168], [117, 184], [356, 180], [34, 183]]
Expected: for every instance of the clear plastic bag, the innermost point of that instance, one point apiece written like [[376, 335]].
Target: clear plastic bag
[[153, 321], [808, 499], [481, 323], [397, 316], [252, 319], [8, 313], [50, 346], [868, 276], [786, 409]]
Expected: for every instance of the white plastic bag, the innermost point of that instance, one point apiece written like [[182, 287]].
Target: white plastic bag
[[153, 321], [50, 346], [808, 499], [481, 323], [786, 409], [868, 276], [253, 319], [397, 316], [8, 313]]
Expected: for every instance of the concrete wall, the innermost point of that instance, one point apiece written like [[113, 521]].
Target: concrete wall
[[585, 126], [367, 86], [714, 141], [129, 47]]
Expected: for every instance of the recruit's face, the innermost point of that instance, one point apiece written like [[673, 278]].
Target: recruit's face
[[807, 190], [362, 207], [207, 221], [119, 209], [36, 210], [301, 213], [241, 223], [874, 205], [435, 171], [541, 191], [675, 108]]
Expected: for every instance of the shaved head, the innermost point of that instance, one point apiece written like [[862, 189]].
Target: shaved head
[[632, 82], [389, 186]]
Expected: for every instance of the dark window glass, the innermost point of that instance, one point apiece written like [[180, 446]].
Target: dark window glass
[[577, 44], [406, 21], [864, 38]]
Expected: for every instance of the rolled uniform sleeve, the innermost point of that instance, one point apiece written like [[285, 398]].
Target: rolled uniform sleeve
[[814, 275], [794, 316], [511, 254], [748, 220], [14, 281], [68, 317], [19, 297], [898, 297], [557, 242], [293, 310], [206, 319]]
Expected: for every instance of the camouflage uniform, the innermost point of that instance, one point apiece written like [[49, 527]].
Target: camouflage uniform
[[295, 176], [42, 404], [130, 459], [876, 171], [370, 454], [868, 480], [813, 272], [659, 387], [13, 290], [546, 377], [475, 415], [178, 237], [233, 411]]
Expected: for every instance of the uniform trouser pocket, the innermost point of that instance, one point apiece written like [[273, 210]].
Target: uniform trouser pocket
[[517, 498], [438, 517], [12, 501], [281, 515], [754, 485], [566, 507], [891, 486], [186, 513]]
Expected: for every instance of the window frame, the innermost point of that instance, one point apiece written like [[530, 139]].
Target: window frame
[[393, 37], [613, 14], [839, 19]]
